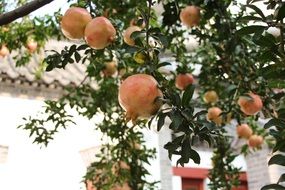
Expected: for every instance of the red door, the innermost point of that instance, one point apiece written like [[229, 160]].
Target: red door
[[192, 184]]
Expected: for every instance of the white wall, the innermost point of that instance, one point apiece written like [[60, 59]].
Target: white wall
[[60, 165]]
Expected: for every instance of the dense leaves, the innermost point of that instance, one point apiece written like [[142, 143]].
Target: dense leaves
[[237, 54]]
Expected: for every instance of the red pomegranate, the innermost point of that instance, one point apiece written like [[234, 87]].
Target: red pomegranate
[[214, 114], [74, 21], [99, 33], [183, 80], [210, 96], [127, 35], [244, 131], [250, 106], [255, 141], [125, 186], [32, 46], [138, 95], [190, 16], [4, 51]]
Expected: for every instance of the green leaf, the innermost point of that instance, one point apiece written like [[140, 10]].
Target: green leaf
[[248, 18], [136, 34], [82, 47], [257, 10], [195, 156], [72, 49], [267, 41], [198, 114], [176, 119], [160, 122], [273, 186], [250, 30], [282, 178], [276, 84], [77, 56], [187, 95], [277, 159], [281, 12], [274, 122], [163, 64]]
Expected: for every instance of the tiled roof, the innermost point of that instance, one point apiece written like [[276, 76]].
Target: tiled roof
[[73, 74]]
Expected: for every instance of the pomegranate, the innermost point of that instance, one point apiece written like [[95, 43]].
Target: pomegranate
[[138, 95], [4, 51], [136, 146], [32, 46], [74, 21], [210, 97], [90, 186], [120, 187], [190, 16], [255, 141], [183, 80], [124, 165], [250, 106], [214, 114], [244, 131], [99, 33], [127, 35], [140, 57], [110, 68]]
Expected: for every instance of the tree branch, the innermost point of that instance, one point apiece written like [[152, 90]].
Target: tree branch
[[26, 9]]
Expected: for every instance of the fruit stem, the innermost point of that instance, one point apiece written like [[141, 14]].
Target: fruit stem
[[282, 38], [147, 28]]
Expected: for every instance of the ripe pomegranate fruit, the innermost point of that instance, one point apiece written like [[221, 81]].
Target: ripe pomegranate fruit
[[183, 80], [4, 51], [127, 35], [110, 68], [124, 187], [190, 16], [210, 97], [31, 46], [124, 165], [90, 186], [255, 141], [99, 33], [250, 106], [138, 95], [74, 21], [214, 115], [244, 131]]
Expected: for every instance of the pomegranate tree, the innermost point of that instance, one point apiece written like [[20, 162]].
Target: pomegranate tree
[[139, 96]]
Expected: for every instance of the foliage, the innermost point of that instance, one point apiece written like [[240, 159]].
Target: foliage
[[236, 55], [225, 176]]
